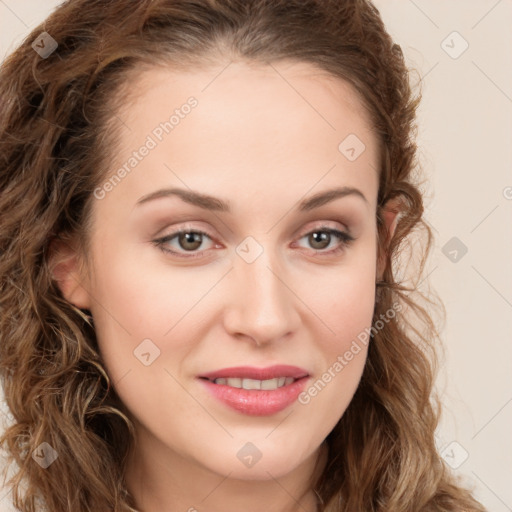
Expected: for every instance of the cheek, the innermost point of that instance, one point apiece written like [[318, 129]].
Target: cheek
[[144, 334], [344, 305], [133, 303], [347, 310], [347, 300], [344, 297]]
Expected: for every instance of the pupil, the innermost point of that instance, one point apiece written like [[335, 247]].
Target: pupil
[[320, 237], [190, 238]]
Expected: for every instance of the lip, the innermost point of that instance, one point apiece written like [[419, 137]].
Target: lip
[[255, 402], [251, 372]]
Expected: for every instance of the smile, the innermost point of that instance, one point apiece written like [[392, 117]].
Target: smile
[[256, 391], [268, 384]]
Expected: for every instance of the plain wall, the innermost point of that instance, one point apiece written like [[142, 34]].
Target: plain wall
[[465, 139]]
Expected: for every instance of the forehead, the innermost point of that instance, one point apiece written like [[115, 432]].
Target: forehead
[[246, 85], [287, 124]]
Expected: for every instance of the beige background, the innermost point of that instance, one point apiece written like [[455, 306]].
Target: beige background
[[465, 136]]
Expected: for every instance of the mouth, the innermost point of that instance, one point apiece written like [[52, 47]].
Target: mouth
[[249, 377], [256, 391], [268, 384]]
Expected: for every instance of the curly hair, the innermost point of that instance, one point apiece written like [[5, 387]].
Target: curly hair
[[57, 138]]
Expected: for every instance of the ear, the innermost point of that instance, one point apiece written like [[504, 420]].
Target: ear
[[390, 215], [68, 273]]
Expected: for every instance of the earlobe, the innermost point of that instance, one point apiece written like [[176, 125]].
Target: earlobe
[[390, 214], [67, 272]]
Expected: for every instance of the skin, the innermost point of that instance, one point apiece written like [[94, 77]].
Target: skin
[[262, 143]]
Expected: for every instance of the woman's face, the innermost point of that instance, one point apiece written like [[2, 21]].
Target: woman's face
[[259, 291]]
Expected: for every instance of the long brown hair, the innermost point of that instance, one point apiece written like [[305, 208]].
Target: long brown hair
[[57, 136]]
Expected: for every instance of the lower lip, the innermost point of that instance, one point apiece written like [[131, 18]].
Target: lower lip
[[257, 402]]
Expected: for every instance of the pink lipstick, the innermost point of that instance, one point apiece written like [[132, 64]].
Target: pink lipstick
[[256, 391]]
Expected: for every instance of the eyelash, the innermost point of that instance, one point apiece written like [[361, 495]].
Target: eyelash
[[344, 238]]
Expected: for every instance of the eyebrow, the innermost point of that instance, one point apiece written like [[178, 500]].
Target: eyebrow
[[211, 203]]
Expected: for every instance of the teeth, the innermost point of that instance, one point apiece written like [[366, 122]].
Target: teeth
[[268, 384], [251, 384]]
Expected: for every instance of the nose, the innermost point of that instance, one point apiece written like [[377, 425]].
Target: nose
[[261, 305]]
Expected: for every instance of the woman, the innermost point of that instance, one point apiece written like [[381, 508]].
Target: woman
[[202, 208]]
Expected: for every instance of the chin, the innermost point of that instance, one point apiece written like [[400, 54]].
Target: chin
[[248, 463]]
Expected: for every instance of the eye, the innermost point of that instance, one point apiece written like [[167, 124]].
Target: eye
[[187, 240], [190, 240], [320, 238]]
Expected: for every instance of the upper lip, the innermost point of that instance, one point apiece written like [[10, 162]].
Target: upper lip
[[251, 372]]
